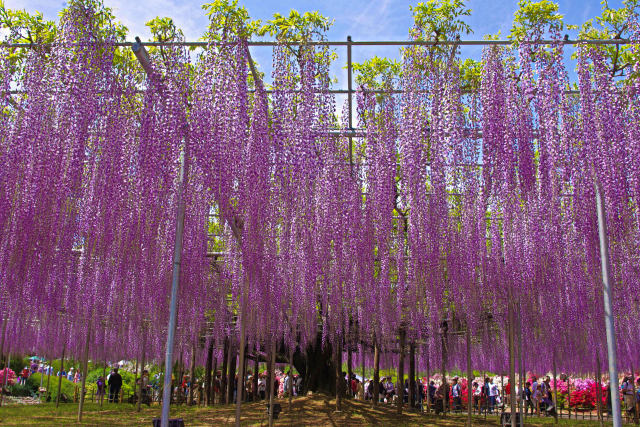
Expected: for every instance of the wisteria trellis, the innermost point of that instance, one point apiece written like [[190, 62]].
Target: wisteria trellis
[[457, 203]]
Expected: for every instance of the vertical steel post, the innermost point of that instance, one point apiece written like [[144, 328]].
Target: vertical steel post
[[175, 282], [350, 101], [608, 312]]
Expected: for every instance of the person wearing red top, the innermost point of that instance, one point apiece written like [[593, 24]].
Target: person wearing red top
[[24, 375], [354, 386], [507, 393]]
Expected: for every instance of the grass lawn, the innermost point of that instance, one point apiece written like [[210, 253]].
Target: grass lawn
[[317, 410]]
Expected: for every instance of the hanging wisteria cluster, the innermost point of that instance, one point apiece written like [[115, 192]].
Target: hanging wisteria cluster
[[456, 204]]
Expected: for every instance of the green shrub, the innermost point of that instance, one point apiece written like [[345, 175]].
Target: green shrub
[[22, 390], [68, 388]]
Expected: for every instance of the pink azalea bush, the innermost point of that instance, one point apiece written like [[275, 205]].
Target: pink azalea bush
[[11, 377]]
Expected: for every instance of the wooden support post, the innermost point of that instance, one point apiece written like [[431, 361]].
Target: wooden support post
[[60, 376], [428, 385], [290, 390], [256, 369], [349, 366], [339, 377], [144, 348], [555, 389], [599, 391], [207, 374], [512, 365], [272, 368], [223, 372], [85, 365], [412, 375], [192, 376], [376, 373], [231, 373], [469, 379], [401, 372]]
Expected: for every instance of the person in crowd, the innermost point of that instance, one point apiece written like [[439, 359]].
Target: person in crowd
[[486, 388], [548, 397], [24, 375], [627, 394], [354, 385], [369, 390], [389, 390], [476, 392], [456, 393], [441, 396], [287, 383], [298, 384], [608, 400], [262, 386], [638, 396], [100, 389], [115, 384], [493, 395], [527, 398], [432, 393], [77, 377], [62, 373], [535, 394], [70, 374]]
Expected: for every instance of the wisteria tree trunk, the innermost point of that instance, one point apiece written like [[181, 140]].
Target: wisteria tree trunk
[[317, 367]]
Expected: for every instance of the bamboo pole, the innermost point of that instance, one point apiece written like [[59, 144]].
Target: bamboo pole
[[85, 366]]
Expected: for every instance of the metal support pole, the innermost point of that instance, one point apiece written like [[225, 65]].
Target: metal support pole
[[175, 282], [350, 101], [608, 313]]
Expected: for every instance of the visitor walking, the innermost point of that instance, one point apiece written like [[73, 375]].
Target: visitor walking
[[627, 394], [527, 398], [456, 394], [115, 384], [493, 395], [100, 388]]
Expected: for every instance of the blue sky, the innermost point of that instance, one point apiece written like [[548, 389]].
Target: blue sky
[[362, 19]]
